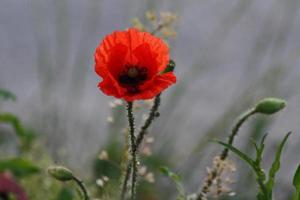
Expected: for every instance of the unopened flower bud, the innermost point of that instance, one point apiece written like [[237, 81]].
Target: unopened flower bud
[[60, 173], [270, 106], [170, 67]]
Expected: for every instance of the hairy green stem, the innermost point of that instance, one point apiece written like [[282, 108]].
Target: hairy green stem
[[235, 130], [215, 171], [82, 188], [126, 179], [133, 148], [137, 142], [149, 120]]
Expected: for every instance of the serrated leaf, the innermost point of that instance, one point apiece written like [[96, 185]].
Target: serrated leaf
[[242, 155], [7, 95], [276, 164], [19, 167]]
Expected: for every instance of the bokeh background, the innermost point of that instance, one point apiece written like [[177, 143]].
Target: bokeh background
[[229, 54]]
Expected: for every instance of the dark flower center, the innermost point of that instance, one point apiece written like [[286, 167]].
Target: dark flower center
[[132, 77]]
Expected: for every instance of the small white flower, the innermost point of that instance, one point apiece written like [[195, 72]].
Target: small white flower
[[103, 155], [149, 140], [110, 119], [150, 177], [105, 178], [232, 194], [147, 151], [142, 170], [100, 182]]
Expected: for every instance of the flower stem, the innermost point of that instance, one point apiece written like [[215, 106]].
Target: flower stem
[[133, 149], [235, 130], [135, 144], [149, 120], [82, 187], [224, 154], [126, 179]]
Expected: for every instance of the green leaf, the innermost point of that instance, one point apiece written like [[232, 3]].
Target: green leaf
[[276, 164], [14, 121], [242, 155], [296, 180], [260, 150], [176, 179], [296, 183], [167, 172], [262, 142], [7, 95], [19, 167], [25, 136]]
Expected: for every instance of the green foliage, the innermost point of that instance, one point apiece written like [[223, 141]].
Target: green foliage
[[296, 183], [176, 179], [7, 95], [265, 186], [276, 163], [40, 187], [20, 167], [25, 136], [14, 121], [65, 194]]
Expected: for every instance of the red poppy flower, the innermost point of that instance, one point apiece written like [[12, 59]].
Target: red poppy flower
[[131, 64], [8, 186]]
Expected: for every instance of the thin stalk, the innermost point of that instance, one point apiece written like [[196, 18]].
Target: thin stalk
[[126, 179], [82, 187], [137, 142], [149, 120], [133, 149], [224, 154], [235, 130]]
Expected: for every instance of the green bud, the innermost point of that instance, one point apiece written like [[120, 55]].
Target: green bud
[[270, 106], [170, 67], [60, 173]]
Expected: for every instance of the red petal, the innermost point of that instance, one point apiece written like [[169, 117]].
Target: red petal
[[110, 87], [158, 47], [132, 47]]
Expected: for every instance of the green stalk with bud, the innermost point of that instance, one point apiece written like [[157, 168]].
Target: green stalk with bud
[[63, 174], [267, 106]]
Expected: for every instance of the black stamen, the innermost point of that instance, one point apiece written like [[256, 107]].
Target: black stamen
[[132, 77]]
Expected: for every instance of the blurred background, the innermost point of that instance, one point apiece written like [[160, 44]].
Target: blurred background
[[229, 54]]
